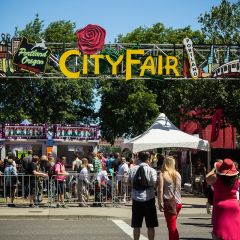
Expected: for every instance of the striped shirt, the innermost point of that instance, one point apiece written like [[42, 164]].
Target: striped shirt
[[97, 167]]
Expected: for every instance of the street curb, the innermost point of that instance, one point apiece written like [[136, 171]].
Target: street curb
[[65, 217]]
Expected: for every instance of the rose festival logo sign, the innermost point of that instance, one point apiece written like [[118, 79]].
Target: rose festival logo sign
[[91, 41]]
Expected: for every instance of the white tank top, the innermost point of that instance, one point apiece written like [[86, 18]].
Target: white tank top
[[169, 191]]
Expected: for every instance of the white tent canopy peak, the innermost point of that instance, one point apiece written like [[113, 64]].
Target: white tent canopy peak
[[164, 134]]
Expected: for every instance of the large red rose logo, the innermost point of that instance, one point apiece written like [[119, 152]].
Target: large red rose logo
[[91, 39]]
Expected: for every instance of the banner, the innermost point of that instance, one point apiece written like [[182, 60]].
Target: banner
[[31, 58], [18, 131], [75, 132], [187, 42], [216, 124]]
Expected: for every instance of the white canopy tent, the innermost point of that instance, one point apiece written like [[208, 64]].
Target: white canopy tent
[[164, 134]]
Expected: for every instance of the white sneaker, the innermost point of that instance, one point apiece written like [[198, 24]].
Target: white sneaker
[[209, 208]]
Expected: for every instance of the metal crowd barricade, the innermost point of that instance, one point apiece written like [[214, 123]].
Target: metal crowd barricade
[[98, 191], [22, 187], [78, 192]]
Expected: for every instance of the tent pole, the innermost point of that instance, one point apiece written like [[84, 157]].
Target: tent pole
[[190, 163], [164, 152], [208, 159]]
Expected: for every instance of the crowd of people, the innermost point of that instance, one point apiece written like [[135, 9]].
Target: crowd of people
[[135, 176], [88, 173]]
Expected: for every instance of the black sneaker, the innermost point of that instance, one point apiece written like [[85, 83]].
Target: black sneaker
[[33, 206], [12, 205]]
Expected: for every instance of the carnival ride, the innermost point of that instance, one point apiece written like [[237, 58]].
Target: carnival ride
[[229, 69]]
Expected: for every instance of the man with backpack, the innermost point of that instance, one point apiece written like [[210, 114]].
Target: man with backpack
[[143, 180]]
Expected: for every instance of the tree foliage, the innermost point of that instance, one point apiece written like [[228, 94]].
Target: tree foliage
[[47, 100], [222, 23], [166, 96], [33, 30], [61, 32], [127, 108], [159, 34]]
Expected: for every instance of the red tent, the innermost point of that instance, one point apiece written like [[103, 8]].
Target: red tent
[[226, 137]]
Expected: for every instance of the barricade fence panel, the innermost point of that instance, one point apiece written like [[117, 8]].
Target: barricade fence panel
[[74, 189]]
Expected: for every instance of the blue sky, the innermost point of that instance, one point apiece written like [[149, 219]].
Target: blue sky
[[115, 16]]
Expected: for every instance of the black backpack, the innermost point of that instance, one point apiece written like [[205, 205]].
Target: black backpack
[[140, 181]]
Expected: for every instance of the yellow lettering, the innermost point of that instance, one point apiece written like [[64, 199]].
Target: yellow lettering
[[130, 61], [148, 65], [85, 64], [173, 66], [96, 64], [114, 64], [62, 64], [160, 65]]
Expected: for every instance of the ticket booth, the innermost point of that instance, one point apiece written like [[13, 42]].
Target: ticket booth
[[70, 139], [19, 138]]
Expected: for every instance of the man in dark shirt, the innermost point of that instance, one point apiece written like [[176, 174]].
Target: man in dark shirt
[[199, 174], [27, 160], [116, 162], [33, 173], [160, 159]]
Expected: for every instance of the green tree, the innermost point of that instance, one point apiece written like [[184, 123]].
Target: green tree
[[33, 30], [127, 108], [159, 34], [166, 96], [47, 100], [222, 23], [61, 32]]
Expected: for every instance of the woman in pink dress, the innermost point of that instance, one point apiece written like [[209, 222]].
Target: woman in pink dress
[[226, 209]]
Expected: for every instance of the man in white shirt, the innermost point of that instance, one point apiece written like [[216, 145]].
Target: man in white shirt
[[143, 197], [76, 166], [122, 178]]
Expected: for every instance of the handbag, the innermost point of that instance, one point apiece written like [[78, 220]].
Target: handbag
[[170, 206]]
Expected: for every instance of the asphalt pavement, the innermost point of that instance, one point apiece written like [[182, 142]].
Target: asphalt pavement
[[100, 223], [191, 206], [97, 229]]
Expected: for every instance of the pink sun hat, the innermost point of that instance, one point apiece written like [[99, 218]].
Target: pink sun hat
[[226, 167]]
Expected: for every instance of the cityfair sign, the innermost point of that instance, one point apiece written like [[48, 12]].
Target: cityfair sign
[[91, 40], [92, 57]]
